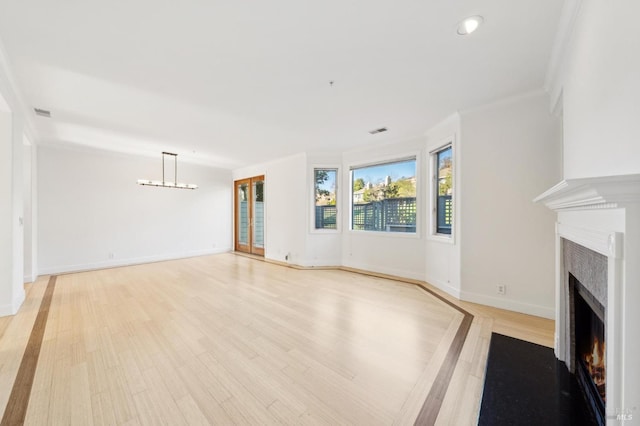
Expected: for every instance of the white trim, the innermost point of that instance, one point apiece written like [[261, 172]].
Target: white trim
[[432, 231], [446, 287], [502, 101], [388, 159], [312, 209], [388, 234], [509, 304], [441, 238], [111, 263], [606, 243], [402, 272], [592, 193]]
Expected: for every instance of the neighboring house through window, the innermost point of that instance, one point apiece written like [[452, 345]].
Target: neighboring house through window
[[383, 197]]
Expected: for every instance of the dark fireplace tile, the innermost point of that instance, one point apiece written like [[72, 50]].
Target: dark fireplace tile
[[526, 385]]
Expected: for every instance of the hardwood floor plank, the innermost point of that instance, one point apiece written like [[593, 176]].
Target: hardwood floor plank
[[16, 409], [230, 340], [191, 412], [431, 408]]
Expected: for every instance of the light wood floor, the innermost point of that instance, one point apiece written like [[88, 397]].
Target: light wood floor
[[230, 340]]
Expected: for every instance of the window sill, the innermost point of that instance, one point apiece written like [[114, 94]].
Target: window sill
[[324, 231], [385, 234], [441, 238]]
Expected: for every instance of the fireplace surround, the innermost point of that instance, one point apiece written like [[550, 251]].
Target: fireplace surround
[[598, 242]]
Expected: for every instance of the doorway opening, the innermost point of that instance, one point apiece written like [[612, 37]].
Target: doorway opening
[[249, 215]]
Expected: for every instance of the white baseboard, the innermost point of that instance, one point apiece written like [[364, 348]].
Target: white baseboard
[[446, 287], [402, 273], [30, 278], [318, 263], [114, 263], [509, 304]]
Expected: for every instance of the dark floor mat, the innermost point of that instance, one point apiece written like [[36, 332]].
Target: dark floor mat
[[526, 385]]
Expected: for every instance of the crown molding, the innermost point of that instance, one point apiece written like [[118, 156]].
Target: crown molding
[[607, 192]]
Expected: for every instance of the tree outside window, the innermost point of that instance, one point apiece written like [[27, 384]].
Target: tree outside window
[[383, 197], [326, 210], [444, 190]]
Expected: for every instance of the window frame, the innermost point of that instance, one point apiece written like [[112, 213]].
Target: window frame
[[397, 158], [312, 205], [433, 191]]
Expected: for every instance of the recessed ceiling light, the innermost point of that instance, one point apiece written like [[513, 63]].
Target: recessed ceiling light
[[470, 24]]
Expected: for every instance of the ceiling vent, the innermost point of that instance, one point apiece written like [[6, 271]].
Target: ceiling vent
[[42, 112], [380, 130]]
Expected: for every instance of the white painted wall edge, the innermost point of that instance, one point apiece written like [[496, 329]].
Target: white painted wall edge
[[509, 304], [12, 309], [553, 78], [445, 287], [114, 263]]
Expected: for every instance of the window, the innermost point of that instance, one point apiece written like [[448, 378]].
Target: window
[[383, 197], [443, 190], [326, 209]]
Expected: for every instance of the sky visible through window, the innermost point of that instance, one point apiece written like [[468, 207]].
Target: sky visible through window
[[444, 156], [377, 174], [330, 183]]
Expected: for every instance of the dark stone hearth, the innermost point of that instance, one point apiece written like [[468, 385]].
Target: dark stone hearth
[[526, 385]]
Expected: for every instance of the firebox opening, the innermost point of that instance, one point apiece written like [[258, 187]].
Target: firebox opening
[[590, 350]]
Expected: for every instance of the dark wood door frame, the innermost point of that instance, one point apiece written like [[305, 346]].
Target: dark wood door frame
[[249, 247]]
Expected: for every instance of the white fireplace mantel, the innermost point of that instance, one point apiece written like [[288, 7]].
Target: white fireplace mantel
[[592, 193], [603, 215]]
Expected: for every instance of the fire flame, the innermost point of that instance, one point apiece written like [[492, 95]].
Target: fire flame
[[596, 365]]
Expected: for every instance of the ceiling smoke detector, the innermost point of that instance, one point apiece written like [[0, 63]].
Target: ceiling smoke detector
[[42, 112], [376, 131]]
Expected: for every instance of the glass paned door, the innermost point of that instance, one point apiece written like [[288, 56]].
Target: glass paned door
[[249, 215], [242, 215], [257, 246]]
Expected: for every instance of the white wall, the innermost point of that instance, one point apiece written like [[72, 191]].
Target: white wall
[[30, 219], [442, 254], [11, 208], [324, 246], [600, 105], [506, 154], [388, 253], [510, 154], [601, 89], [93, 214], [6, 213], [285, 196]]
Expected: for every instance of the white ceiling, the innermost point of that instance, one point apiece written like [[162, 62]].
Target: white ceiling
[[241, 82]]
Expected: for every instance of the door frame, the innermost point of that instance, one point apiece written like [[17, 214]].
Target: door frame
[[249, 247]]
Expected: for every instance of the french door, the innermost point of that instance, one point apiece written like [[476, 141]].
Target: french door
[[249, 215]]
